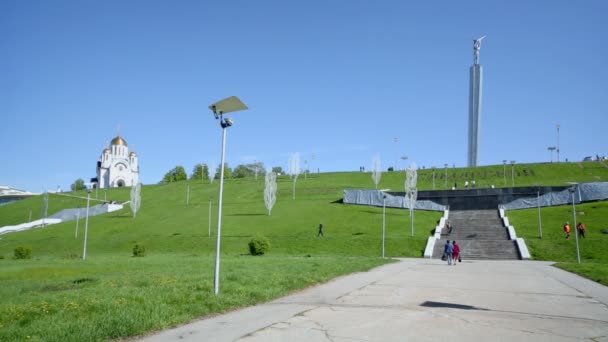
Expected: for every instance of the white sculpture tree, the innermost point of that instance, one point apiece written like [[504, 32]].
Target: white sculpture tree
[[411, 191], [376, 170], [135, 198], [294, 170], [211, 172], [270, 192]]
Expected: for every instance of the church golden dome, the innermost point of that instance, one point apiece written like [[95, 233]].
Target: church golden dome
[[119, 141]]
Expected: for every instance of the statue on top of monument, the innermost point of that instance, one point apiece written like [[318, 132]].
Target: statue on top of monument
[[476, 48]]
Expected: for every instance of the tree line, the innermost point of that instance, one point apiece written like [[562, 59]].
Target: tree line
[[201, 172]]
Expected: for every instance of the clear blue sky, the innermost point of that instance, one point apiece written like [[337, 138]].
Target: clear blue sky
[[337, 79]]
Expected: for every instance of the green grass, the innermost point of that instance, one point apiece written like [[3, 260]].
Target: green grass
[[553, 245], [117, 297], [56, 296]]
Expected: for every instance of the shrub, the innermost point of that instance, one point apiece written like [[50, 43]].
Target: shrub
[[258, 245], [139, 250], [23, 253]]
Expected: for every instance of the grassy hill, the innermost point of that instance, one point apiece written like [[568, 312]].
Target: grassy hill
[[56, 294]]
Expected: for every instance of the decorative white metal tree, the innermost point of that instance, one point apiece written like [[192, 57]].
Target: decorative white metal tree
[[270, 192], [211, 172], [411, 191], [294, 170], [376, 170], [135, 199]]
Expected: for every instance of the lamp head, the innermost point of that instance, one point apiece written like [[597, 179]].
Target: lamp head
[[227, 105], [227, 122]]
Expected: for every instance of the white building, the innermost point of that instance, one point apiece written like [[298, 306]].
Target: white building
[[116, 166]]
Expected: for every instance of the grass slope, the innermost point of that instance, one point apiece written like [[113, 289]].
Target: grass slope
[[58, 297]]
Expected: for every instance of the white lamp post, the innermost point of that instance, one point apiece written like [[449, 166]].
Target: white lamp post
[[540, 222], [209, 216], [383, 222], [504, 171], [512, 173], [572, 191], [86, 222], [227, 105], [446, 176], [433, 178], [557, 126]]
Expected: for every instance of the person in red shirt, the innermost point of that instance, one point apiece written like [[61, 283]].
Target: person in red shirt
[[456, 252], [567, 230]]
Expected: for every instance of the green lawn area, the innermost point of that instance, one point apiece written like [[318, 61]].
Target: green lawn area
[[553, 245], [56, 296]]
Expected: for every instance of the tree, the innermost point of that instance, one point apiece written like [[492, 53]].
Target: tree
[[270, 192], [278, 170], [200, 172], [227, 172], [241, 171], [78, 185], [174, 175]]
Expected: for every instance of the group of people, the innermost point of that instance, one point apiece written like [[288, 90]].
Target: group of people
[[451, 252], [580, 227]]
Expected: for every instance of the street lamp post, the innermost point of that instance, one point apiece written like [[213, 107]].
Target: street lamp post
[[504, 171], [446, 175], [383, 222], [433, 178], [512, 173], [227, 105], [578, 254], [209, 216], [86, 222], [557, 126], [540, 222]]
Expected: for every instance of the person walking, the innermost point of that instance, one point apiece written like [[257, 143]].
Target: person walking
[[320, 230], [448, 250], [567, 230], [456, 252], [580, 227]]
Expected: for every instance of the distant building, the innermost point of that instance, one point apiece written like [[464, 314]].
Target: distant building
[[117, 167]]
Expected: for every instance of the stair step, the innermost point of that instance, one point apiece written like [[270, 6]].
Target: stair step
[[481, 236]]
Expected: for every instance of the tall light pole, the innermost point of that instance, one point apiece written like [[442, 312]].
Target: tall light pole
[[540, 222], [383, 222], [209, 216], [86, 222], [512, 173], [504, 171], [227, 105], [557, 126], [572, 191], [446, 175], [433, 178], [551, 149]]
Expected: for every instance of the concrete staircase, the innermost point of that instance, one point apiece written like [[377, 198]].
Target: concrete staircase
[[480, 235]]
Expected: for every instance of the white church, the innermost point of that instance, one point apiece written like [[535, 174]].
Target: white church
[[116, 166]]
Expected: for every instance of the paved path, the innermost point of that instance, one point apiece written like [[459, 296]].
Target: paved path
[[423, 300]]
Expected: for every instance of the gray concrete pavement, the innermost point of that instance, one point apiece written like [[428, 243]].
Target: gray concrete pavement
[[423, 300]]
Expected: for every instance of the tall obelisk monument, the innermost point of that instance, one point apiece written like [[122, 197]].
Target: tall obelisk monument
[[475, 82]]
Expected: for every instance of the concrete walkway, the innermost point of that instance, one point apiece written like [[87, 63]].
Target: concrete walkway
[[423, 300]]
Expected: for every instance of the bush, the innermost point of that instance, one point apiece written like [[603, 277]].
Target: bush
[[258, 245], [139, 250], [23, 253]]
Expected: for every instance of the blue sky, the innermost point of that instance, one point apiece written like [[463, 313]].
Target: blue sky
[[335, 79]]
